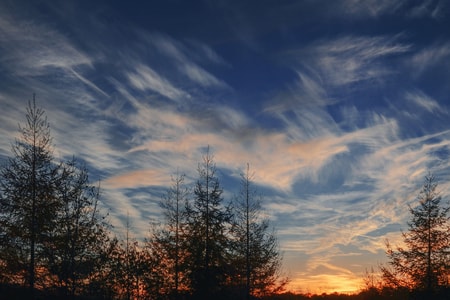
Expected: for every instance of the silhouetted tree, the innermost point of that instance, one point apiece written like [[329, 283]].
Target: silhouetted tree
[[256, 256], [208, 241], [29, 206], [172, 236], [52, 232], [76, 241], [423, 264]]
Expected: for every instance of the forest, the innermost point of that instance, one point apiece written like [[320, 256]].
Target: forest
[[57, 243]]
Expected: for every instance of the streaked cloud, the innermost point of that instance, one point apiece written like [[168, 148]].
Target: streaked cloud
[[428, 58], [350, 59], [180, 53], [34, 47], [372, 8], [428, 8], [201, 76], [409, 9], [144, 78], [424, 101], [138, 178]]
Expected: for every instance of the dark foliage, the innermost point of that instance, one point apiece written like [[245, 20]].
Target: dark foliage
[[52, 234], [423, 264]]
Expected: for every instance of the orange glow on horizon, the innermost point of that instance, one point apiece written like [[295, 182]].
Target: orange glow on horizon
[[325, 283]]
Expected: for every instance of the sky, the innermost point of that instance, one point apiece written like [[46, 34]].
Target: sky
[[340, 107]]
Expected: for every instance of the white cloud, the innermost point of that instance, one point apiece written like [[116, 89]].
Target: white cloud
[[138, 178], [307, 93], [144, 78], [351, 59], [204, 53], [200, 76], [373, 8], [181, 55], [31, 47], [424, 101], [428, 8], [426, 59], [409, 9], [89, 83]]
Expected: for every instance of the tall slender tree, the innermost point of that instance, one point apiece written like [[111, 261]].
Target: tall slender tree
[[166, 246], [257, 256], [208, 223], [28, 207], [172, 235], [423, 264]]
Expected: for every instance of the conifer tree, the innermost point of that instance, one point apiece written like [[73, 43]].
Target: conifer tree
[[172, 236], [52, 233], [208, 241], [423, 264], [256, 256], [29, 206]]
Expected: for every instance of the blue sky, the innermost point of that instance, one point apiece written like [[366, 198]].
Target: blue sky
[[340, 107]]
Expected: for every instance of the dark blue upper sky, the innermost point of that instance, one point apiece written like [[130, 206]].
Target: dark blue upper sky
[[340, 107]]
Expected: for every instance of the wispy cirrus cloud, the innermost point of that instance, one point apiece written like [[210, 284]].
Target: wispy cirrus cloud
[[351, 59], [429, 58], [138, 178], [33, 47], [371, 8], [306, 92], [328, 70], [144, 78], [180, 54], [424, 101], [200, 76], [408, 9], [42, 60], [428, 8]]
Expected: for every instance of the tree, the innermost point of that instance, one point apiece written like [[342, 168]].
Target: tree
[[80, 232], [172, 235], [256, 254], [423, 264], [208, 223], [28, 206], [52, 233]]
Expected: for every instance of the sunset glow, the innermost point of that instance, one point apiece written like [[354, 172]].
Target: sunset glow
[[340, 108]]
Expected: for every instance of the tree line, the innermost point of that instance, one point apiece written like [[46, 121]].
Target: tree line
[[56, 242]]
